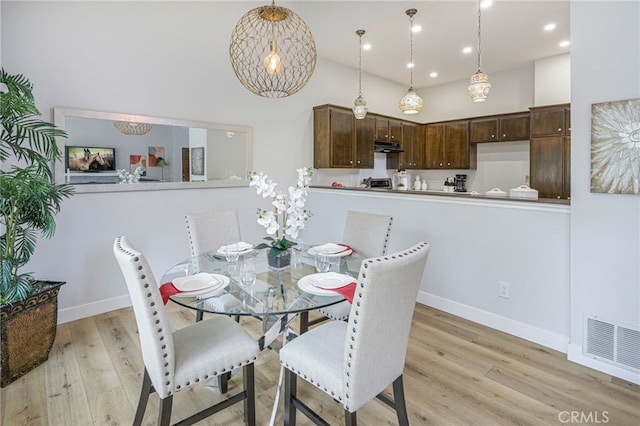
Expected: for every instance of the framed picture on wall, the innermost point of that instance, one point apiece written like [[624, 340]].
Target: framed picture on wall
[[155, 153], [197, 161], [137, 160], [615, 147]]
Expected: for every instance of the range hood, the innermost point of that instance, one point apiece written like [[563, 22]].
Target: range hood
[[387, 147]]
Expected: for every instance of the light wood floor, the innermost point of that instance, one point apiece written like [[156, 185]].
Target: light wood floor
[[457, 372]]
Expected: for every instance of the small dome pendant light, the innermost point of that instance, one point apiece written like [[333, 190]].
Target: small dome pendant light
[[480, 86], [411, 103], [360, 105]]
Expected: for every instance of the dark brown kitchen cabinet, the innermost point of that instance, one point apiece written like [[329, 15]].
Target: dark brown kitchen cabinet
[[502, 128], [551, 120], [447, 146], [365, 135], [413, 145], [341, 141], [550, 151], [388, 130]]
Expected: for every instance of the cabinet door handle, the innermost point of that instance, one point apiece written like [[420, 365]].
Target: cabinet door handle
[[440, 164], [559, 129], [448, 164], [358, 161], [493, 136], [504, 135], [350, 161]]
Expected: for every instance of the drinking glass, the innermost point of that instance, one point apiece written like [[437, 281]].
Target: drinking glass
[[231, 253], [247, 274], [323, 262]]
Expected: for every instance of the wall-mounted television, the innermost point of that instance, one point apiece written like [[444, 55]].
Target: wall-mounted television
[[90, 159]]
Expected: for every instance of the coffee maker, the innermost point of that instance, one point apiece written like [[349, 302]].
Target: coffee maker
[[461, 183]]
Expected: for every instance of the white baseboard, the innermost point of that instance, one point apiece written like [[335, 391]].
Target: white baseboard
[[94, 308], [575, 354], [519, 329]]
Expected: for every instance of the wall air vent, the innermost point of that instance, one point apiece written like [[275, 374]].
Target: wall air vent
[[612, 342]]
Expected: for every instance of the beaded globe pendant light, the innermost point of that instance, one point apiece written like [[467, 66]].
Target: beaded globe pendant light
[[360, 105], [272, 51], [411, 103], [480, 86]]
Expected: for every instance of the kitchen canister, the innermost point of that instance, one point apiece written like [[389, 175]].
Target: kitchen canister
[[496, 192], [524, 192]]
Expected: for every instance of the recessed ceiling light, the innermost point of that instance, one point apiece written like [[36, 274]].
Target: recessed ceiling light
[[564, 43], [550, 27], [433, 74], [486, 3], [366, 46], [467, 50]]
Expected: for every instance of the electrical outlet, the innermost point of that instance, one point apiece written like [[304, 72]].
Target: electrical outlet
[[503, 289]]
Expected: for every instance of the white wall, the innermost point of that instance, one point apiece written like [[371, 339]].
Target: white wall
[[605, 228], [553, 80]]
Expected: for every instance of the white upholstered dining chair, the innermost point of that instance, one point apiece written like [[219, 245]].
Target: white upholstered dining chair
[[355, 361], [175, 361], [368, 234], [209, 231]]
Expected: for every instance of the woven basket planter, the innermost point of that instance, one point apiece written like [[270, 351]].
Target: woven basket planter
[[27, 331]]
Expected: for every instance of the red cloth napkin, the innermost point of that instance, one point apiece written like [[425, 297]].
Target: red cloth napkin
[[166, 290], [347, 290], [347, 247]]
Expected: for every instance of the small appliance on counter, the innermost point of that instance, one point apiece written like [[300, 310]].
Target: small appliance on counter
[[377, 183], [461, 183]]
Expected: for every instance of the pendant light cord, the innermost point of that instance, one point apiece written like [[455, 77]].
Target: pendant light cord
[[479, 52], [411, 48], [360, 33]]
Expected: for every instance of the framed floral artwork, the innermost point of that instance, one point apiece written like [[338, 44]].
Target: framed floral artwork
[[197, 161], [615, 147]]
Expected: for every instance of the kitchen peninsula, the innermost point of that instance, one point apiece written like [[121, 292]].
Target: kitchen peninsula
[[477, 244]]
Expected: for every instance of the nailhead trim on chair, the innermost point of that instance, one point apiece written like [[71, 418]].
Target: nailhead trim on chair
[[356, 312]]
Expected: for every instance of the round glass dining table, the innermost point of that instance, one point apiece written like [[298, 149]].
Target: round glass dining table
[[275, 298]]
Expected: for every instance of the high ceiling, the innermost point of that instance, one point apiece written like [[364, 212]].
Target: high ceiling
[[512, 35]]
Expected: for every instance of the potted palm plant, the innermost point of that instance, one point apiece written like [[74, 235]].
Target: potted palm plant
[[29, 202]]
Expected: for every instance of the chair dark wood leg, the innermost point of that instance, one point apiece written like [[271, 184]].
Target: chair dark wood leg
[[164, 416], [223, 382], [144, 398], [304, 322], [250, 398], [290, 387], [398, 397], [199, 316], [350, 418]]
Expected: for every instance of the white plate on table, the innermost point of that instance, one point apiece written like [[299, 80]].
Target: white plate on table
[[312, 283], [243, 248], [203, 282], [331, 249]]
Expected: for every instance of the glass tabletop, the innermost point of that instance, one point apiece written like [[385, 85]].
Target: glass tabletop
[[275, 291]]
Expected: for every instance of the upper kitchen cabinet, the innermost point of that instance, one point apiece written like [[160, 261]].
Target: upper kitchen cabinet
[[447, 146], [550, 151], [341, 141], [551, 120], [365, 135], [413, 144], [388, 129], [500, 128]]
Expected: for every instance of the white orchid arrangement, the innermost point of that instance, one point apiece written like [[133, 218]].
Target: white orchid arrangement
[[288, 216], [126, 177]]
